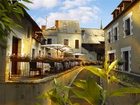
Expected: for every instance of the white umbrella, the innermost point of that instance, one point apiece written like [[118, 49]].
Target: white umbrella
[[78, 54], [60, 47], [55, 46]]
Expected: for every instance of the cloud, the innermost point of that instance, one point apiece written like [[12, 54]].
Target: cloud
[[83, 14], [41, 21], [69, 4], [37, 4], [82, 10]]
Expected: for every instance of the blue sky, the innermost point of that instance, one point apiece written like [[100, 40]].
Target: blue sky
[[89, 13]]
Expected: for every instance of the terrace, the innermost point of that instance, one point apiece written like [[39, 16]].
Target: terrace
[[41, 67]]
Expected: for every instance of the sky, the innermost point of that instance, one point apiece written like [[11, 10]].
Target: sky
[[89, 13]]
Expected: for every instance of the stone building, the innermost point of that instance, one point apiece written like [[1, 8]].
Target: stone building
[[21, 43], [85, 42], [122, 35], [122, 43], [93, 43], [65, 32]]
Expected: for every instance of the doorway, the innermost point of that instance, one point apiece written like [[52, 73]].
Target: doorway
[[126, 60], [15, 49], [111, 57]]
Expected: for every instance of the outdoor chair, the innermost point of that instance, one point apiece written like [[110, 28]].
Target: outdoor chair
[[34, 68], [52, 67]]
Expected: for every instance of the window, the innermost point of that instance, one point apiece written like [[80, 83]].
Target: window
[[127, 27], [64, 27], [76, 56], [66, 42], [116, 33], [49, 41], [109, 37], [33, 53], [111, 57], [77, 44], [28, 32], [39, 53], [99, 57], [49, 54], [43, 41], [82, 32]]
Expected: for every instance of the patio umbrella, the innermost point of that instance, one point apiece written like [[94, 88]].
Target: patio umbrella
[[80, 54], [60, 47]]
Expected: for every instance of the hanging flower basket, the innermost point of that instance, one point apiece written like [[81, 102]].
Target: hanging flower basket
[[19, 58]]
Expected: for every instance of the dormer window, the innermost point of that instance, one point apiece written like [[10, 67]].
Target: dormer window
[[115, 13], [123, 5]]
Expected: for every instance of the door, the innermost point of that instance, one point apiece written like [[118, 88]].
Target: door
[[15, 52], [126, 60], [111, 57]]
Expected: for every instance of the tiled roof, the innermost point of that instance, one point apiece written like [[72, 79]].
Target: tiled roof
[[124, 11]]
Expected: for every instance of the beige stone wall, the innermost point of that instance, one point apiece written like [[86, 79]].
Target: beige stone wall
[[27, 92], [71, 38], [92, 55], [25, 46], [65, 29], [68, 26], [127, 99], [132, 40], [128, 41], [92, 35]]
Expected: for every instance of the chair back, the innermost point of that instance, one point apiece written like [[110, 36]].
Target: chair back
[[33, 65]]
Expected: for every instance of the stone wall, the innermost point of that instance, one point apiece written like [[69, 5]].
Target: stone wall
[[27, 92]]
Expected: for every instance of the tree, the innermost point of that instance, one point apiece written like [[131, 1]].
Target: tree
[[8, 9]]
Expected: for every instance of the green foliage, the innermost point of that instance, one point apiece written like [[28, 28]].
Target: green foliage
[[59, 95], [88, 90], [10, 12], [104, 73], [124, 91]]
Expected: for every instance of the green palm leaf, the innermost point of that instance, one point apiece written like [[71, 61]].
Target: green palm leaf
[[106, 65], [97, 71], [111, 66], [124, 91], [113, 79], [89, 91]]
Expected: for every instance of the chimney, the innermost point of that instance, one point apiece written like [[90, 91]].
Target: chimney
[[57, 23], [43, 27]]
